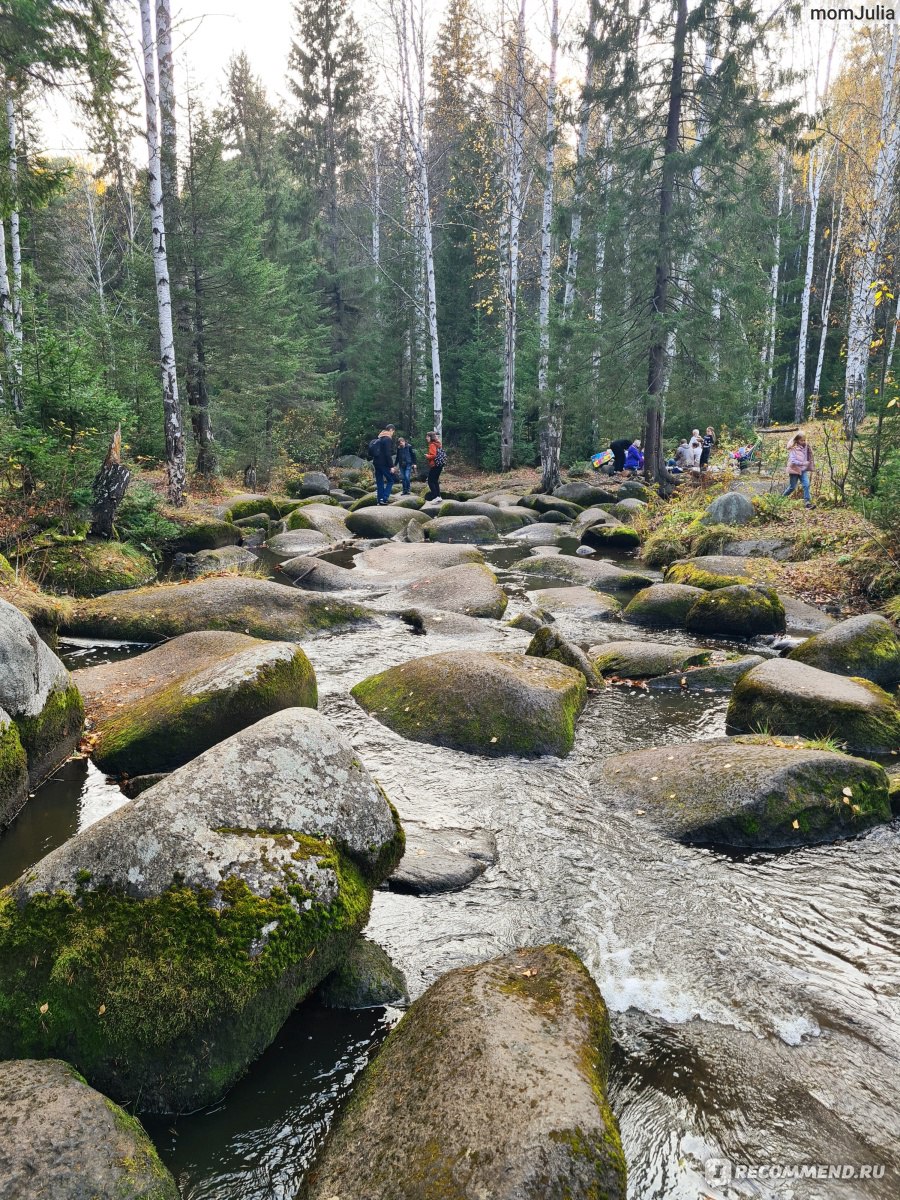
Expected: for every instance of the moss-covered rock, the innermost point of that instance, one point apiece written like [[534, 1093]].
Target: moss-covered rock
[[43, 611], [718, 676], [585, 494], [750, 793], [157, 711], [210, 562], [471, 531], [13, 770], [296, 541], [628, 509], [630, 489], [50, 736], [601, 535], [593, 516], [163, 947], [7, 574], [784, 697], [233, 603], [470, 588], [483, 703], [90, 568], [549, 643], [665, 546], [64, 1141], [643, 660], [366, 978], [204, 533], [493, 1084], [385, 520], [546, 504], [505, 519], [718, 571], [272, 506], [308, 483], [601, 576], [662, 605], [867, 647], [739, 611]]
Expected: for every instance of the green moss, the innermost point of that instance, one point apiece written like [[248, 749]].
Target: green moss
[[660, 605], [892, 609], [48, 739], [89, 568], [321, 499], [167, 999], [298, 521], [694, 576], [611, 535], [365, 501], [13, 773], [143, 1169], [168, 728], [741, 610], [273, 506], [710, 539], [203, 534], [7, 574]]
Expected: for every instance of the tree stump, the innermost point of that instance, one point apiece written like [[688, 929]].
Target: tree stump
[[109, 488]]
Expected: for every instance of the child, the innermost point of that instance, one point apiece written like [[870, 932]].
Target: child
[[709, 440], [800, 466], [436, 458], [634, 458]]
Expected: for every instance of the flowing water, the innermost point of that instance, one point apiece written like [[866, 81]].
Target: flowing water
[[754, 999]]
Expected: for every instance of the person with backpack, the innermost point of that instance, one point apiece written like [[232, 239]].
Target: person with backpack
[[406, 460], [436, 459], [800, 466], [381, 452]]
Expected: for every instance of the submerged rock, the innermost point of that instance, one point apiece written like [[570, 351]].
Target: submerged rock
[[643, 660], [493, 1084], [385, 520], [62, 1140], [750, 794], [601, 576], [785, 697], [366, 978], [163, 947], [742, 611], [90, 568], [717, 677], [493, 704], [473, 531], [866, 646], [662, 604], [319, 575], [721, 570], [441, 860], [234, 603], [470, 588], [164, 707], [37, 694]]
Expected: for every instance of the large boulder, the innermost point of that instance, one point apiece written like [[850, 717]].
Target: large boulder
[[504, 520], [784, 697], [297, 541], [441, 860], [275, 507], [384, 520], [163, 708], [37, 694], [626, 510], [731, 508], [750, 794], [662, 604], [804, 619], [234, 603], [643, 660], [540, 534], [866, 646], [584, 494], [492, 1085], [211, 562], [327, 519], [593, 516], [366, 978], [61, 1140], [90, 568], [601, 576], [202, 533], [630, 489], [399, 562], [13, 770], [471, 589], [310, 483], [163, 947], [720, 570], [472, 531], [547, 504], [740, 611], [549, 643], [351, 462], [319, 575], [602, 535], [778, 548], [577, 613], [484, 703]]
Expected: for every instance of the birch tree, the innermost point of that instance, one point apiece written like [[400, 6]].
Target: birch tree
[[514, 136], [15, 243], [764, 404], [174, 438], [831, 270], [551, 426], [7, 330], [869, 241]]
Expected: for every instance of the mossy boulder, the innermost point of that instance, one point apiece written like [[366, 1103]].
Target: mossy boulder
[[740, 611], [7, 574], [548, 504], [750, 794], [163, 947], [275, 507], [385, 520], [719, 570], [504, 520], [319, 575], [471, 589], [401, 562], [549, 643], [593, 516], [493, 1084], [867, 647], [600, 535], [44, 611], [472, 531], [731, 508], [578, 601], [584, 494], [662, 604], [643, 660], [601, 576], [210, 562], [90, 568], [785, 697], [157, 711], [37, 693], [630, 489], [203, 533], [720, 676], [308, 483], [483, 703], [626, 510], [234, 603], [13, 770], [62, 1140], [365, 978], [664, 547]]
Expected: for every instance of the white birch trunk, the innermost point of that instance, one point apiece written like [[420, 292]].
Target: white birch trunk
[[547, 211], [511, 291], [174, 438], [599, 267], [816, 174], [15, 243], [376, 209], [7, 331], [830, 275], [168, 126], [764, 406], [861, 321]]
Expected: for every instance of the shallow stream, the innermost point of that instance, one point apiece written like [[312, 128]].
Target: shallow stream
[[755, 1000]]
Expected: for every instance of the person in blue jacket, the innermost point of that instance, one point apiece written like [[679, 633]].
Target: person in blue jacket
[[406, 460], [634, 457]]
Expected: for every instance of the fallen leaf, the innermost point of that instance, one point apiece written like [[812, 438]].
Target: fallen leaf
[[847, 791], [640, 812], [530, 972], [101, 1010], [795, 824], [44, 1008]]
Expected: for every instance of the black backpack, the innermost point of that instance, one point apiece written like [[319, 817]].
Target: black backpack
[[372, 448]]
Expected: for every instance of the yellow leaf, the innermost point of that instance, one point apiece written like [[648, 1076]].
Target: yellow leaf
[[795, 824], [44, 1008], [847, 791], [101, 1010]]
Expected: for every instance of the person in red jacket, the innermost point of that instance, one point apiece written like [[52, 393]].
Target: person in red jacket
[[435, 457]]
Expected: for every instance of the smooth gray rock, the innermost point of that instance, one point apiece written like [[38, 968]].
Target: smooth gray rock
[[311, 483], [442, 860], [585, 494], [504, 520], [327, 519], [601, 576], [866, 647], [593, 516], [802, 618], [228, 558], [351, 462], [549, 643], [30, 673], [296, 541], [731, 508], [61, 1140], [492, 1085], [319, 575], [717, 677], [473, 530], [643, 660], [366, 978], [541, 534], [776, 548], [471, 589], [384, 521], [399, 562]]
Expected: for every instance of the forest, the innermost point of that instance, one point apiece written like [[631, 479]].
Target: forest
[[530, 239]]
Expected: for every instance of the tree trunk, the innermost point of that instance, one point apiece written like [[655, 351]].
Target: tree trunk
[[7, 330], [599, 266], [830, 274], [551, 425], [168, 121], [174, 438], [198, 392], [653, 452], [764, 405], [511, 280], [816, 173], [15, 243], [109, 487]]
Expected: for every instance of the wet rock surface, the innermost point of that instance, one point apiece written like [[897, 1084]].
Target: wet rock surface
[[865, 646], [470, 589], [441, 860], [643, 660], [366, 978], [740, 611]]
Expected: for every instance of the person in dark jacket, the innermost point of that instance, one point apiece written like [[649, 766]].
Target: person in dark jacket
[[619, 448], [406, 460], [381, 450]]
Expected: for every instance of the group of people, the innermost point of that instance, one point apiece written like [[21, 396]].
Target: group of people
[[392, 463], [692, 454]]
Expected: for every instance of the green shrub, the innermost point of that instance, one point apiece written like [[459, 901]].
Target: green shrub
[[140, 522]]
